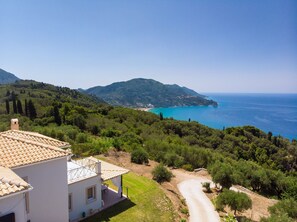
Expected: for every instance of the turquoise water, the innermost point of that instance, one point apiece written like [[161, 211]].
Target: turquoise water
[[269, 112]]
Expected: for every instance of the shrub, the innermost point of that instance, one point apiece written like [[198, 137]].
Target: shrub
[[139, 156], [206, 185], [235, 200], [72, 133], [60, 135], [81, 138], [230, 218], [188, 167], [184, 211], [288, 206], [278, 218], [222, 173], [94, 129], [161, 173]]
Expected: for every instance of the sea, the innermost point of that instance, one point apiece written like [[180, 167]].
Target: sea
[[276, 113]]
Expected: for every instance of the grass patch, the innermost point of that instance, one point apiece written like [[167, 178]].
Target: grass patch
[[147, 202]]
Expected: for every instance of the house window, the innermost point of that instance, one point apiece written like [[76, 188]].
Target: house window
[[70, 202], [91, 194]]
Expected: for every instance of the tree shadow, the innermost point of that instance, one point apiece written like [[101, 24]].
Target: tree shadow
[[243, 219], [110, 212]]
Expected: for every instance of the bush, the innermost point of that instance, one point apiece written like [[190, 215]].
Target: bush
[[222, 173], [139, 156], [235, 200], [81, 138], [287, 206], [278, 218], [161, 173], [230, 218], [184, 211], [206, 185], [188, 167]]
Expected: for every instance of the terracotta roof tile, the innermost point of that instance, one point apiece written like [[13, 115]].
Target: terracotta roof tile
[[11, 183], [18, 148], [35, 137]]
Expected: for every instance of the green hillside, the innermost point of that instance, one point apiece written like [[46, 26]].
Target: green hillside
[[148, 93], [262, 162]]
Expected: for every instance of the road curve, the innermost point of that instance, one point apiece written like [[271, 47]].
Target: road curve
[[200, 207]]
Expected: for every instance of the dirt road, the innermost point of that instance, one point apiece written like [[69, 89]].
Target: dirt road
[[200, 207]]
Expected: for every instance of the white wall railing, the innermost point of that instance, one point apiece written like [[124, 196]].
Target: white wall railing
[[87, 168]]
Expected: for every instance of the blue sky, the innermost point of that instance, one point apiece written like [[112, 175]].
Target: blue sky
[[206, 45]]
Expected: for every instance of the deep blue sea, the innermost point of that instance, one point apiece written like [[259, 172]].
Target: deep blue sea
[[269, 112]]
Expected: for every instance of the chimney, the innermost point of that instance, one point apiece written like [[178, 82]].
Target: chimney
[[15, 124], [98, 167]]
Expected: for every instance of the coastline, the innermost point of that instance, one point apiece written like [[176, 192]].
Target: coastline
[[145, 109], [274, 113]]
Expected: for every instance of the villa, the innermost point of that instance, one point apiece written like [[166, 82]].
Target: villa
[[40, 182]]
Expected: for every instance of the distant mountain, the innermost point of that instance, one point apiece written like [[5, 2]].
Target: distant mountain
[[7, 77], [148, 93]]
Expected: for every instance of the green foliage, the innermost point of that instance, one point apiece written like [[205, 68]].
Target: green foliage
[[19, 107], [188, 167], [184, 211], [143, 92], [14, 106], [161, 173], [139, 156], [229, 218], [206, 185], [262, 162], [57, 116], [222, 173], [31, 110], [7, 106], [285, 207], [81, 138], [147, 202], [95, 130], [161, 116], [278, 218], [235, 200]]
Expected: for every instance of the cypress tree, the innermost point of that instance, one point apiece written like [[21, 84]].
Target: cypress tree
[[57, 116], [161, 116], [19, 107], [26, 108], [31, 110], [14, 105], [7, 106]]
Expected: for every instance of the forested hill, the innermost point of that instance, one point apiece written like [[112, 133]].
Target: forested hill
[[14, 96], [7, 77], [148, 93], [246, 155]]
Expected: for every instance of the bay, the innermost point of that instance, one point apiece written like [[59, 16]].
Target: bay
[[276, 113]]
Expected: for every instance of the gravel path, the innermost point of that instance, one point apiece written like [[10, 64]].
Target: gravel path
[[200, 207]]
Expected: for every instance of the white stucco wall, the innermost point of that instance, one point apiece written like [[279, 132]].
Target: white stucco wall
[[79, 203], [14, 204], [48, 200]]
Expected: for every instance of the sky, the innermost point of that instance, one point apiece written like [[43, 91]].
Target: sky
[[247, 46]]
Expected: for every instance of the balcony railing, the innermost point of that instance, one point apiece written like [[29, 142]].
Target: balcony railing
[[80, 169]]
